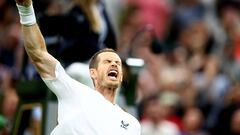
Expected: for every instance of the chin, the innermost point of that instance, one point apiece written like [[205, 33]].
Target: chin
[[113, 85]]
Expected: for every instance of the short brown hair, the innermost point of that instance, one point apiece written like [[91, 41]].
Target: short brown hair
[[94, 59]]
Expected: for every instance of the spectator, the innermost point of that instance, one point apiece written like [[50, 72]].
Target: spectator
[[231, 105], [90, 30], [153, 122], [11, 51], [193, 122], [228, 11], [235, 122]]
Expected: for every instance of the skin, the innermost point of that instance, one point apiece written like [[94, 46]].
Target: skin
[[103, 83], [45, 63], [24, 2]]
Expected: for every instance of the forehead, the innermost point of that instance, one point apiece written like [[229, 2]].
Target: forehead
[[109, 56]]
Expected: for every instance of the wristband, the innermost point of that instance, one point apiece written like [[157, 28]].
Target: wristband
[[27, 15]]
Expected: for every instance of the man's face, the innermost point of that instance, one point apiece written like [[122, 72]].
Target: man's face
[[109, 70]]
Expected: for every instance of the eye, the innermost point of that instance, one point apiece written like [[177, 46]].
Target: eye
[[107, 61], [118, 63]]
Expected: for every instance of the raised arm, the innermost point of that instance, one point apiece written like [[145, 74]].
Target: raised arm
[[34, 42]]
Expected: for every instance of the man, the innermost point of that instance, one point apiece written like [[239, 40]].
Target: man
[[81, 110]]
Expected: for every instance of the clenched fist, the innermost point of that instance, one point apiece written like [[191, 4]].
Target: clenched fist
[[24, 2]]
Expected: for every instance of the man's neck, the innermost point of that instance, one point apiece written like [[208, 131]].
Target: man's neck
[[108, 93]]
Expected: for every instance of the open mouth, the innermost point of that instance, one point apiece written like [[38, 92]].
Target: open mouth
[[113, 74]]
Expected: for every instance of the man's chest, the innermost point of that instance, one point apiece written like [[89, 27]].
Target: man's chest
[[102, 125]]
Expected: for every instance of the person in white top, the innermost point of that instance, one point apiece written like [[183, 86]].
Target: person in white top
[[81, 110]]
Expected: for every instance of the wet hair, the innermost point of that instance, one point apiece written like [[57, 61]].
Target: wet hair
[[94, 59]]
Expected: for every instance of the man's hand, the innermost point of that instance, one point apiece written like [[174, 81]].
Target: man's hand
[[25, 3]]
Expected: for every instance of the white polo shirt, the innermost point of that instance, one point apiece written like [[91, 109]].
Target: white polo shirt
[[84, 111]]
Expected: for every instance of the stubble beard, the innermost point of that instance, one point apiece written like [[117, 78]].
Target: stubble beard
[[105, 82], [111, 85]]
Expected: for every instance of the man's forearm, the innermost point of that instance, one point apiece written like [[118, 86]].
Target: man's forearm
[[33, 42], [33, 39]]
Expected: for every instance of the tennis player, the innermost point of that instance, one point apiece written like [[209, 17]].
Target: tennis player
[[81, 110]]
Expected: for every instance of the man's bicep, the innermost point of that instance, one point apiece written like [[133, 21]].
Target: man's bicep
[[46, 65]]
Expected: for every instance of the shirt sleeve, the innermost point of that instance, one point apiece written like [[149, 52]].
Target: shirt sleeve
[[63, 86]]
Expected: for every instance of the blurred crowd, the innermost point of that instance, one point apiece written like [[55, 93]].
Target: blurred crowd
[[190, 81]]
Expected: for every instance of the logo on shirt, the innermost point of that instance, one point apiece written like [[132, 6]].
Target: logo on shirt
[[124, 125]]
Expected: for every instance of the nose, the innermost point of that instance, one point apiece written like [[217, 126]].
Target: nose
[[114, 64]]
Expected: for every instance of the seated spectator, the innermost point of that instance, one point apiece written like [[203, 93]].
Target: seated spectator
[[153, 121], [193, 122]]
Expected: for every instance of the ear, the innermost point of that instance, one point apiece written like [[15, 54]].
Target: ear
[[93, 73]]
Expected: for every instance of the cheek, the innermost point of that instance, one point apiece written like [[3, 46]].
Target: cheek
[[101, 73]]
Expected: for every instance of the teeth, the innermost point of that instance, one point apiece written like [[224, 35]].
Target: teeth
[[113, 72]]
